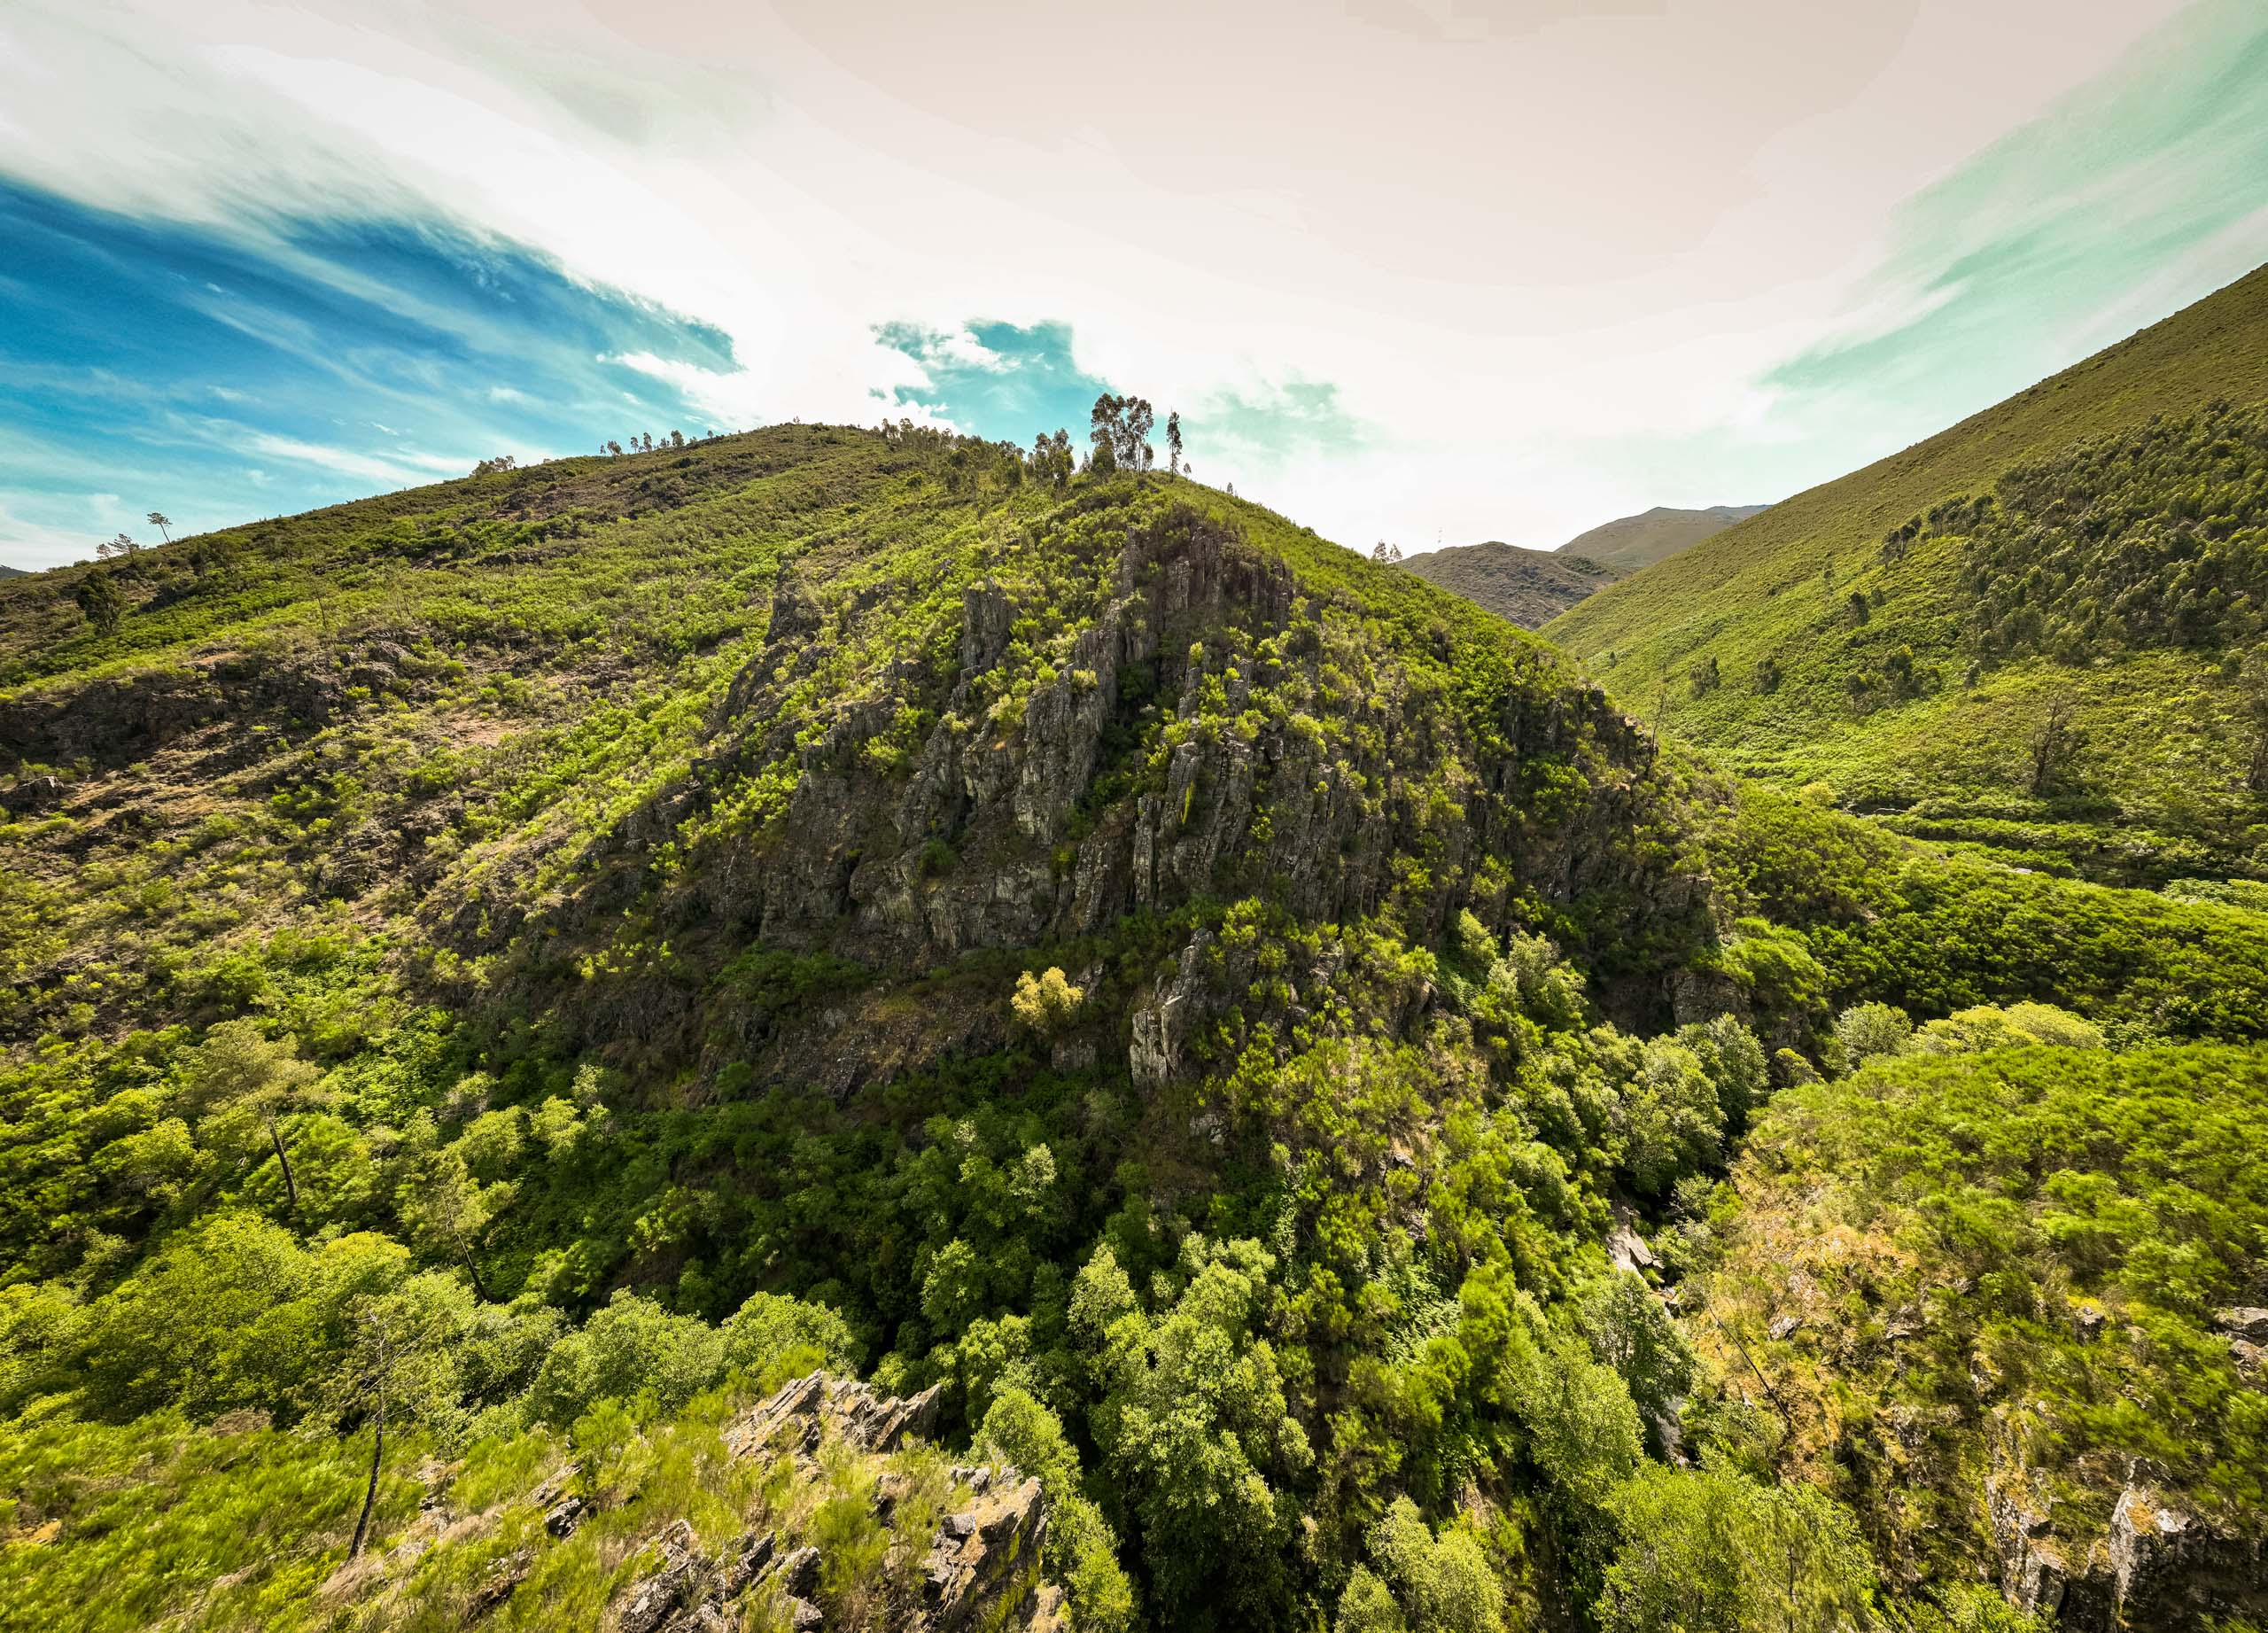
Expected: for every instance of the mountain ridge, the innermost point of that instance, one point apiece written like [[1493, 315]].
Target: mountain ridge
[[1755, 643], [504, 975]]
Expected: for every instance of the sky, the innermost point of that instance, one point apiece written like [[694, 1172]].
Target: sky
[[1410, 270]]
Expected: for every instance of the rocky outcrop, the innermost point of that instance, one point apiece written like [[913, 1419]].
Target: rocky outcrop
[[1218, 730], [982, 1570], [2156, 1567], [131, 713]]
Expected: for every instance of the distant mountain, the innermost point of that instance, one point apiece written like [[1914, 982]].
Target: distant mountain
[[1636, 542], [1531, 587], [7, 571]]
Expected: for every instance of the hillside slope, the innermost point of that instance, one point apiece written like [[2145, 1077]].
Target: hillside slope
[[1530, 587], [1632, 543], [1756, 643], [502, 976]]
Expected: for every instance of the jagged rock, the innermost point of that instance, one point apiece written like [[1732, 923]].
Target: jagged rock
[[1624, 1245], [986, 620], [798, 1572], [795, 608], [984, 1570], [30, 794], [653, 1598], [963, 844], [565, 1516], [864, 1420], [750, 1556], [2033, 1570], [802, 1615], [2248, 1322], [2171, 1570], [505, 1575], [2156, 1567], [1784, 1328]]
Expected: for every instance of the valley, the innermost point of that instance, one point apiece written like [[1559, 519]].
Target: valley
[[521, 990]]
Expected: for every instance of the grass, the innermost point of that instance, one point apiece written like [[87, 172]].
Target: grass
[[2161, 786]]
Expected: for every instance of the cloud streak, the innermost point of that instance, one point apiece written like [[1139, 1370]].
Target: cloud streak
[[1474, 268]]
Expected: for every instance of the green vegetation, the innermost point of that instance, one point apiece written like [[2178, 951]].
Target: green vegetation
[[2027, 636], [2009, 1270], [501, 976]]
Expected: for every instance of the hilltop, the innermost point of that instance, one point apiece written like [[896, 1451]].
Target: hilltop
[[504, 977], [1842, 638], [1530, 587], [1632, 543]]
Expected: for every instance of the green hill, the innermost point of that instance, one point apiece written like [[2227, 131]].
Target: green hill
[[1842, 637], [501, 977], [1633, 542], [1530, 587]]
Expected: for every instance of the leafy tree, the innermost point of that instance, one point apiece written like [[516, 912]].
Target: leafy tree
[[2252, 709], [1045, 1001], [163, 522], [1105, 434], [1967, 1031], [1710, 1550], [101, 603], [117, 545], [1134, 451], [1173, 443], [239, 1077], [1866, 1031], [1384, 552], [1444, 1582], [1579, 1422], [399, 1371], [446, 1210], [633, 1347], [230, 1313], [1674, 1120], [1020, 1431], [1627, 1327], [1195, 1427]]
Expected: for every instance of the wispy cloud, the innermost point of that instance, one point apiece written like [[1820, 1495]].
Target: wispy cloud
[[336, 358]]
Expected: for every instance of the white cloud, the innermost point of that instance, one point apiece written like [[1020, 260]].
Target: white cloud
[[1523, 251], [369, 467], [31, 544]]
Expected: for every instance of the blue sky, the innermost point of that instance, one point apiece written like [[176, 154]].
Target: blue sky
[[151, 366], [1411, 280]]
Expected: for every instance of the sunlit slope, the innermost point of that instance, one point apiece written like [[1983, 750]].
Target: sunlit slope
[[1751, 643]]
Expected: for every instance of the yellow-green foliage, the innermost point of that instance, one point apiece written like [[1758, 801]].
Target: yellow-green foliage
[[2019, 1256]]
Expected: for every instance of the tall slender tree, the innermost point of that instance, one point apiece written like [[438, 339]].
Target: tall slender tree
[[1173, 443], [1106, 433], [163, 522], [399, 1372]]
